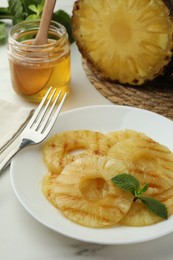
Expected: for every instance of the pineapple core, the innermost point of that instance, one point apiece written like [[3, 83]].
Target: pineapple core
[[94, 188]]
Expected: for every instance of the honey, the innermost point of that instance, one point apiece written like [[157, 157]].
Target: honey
[[34, 68]]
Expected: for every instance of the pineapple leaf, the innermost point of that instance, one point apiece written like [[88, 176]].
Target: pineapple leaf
[[155, 206], [127, 182]]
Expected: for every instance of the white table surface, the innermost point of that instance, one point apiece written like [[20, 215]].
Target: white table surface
[[21, 236]]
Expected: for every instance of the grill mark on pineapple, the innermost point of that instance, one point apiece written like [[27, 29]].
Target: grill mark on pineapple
[[53, 145], [104, 205], [97, 151], [153, 175], [66, 197], [119, 209], [160, 153], [164, 200], [85, 213], [155, 186], [65, 147], [167, 167], [165, 159]]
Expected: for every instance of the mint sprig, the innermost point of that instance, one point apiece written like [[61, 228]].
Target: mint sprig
[[20, 10], [128, 182]]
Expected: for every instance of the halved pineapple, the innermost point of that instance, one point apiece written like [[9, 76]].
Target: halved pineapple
[[128, 41], [86, 195], [149, 161], [68, 146]]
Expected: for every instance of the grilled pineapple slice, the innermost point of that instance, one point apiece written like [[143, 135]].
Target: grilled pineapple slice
[[148, 161], [120, 135], [86, 195], [128, 41], [60, 150], [139, 215]]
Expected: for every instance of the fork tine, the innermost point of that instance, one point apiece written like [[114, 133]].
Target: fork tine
[[43, 124], [39, 108], [43, 112], [55, 115]]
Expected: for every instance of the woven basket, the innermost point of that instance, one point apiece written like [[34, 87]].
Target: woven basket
[[156, 96]]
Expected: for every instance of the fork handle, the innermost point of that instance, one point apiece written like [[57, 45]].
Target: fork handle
[[7, 160]]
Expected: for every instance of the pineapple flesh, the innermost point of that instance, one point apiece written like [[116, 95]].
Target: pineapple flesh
[[128, 41], [149, 161], [64, 148], [120, 135], [86, 195], [48, 182]]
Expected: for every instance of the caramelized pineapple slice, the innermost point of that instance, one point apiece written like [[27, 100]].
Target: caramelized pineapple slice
[[68, 146], [86, 195], [149, 161], [128, 41]]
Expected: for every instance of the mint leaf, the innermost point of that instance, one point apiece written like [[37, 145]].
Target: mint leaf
[[126, 182], [5, 13], [3, 33], [41, 6], [16, 10], [19, 10], [33, 8], [155, 206], [32, 17], [140, 191], [37, 9], [64, 18], [144, 188]]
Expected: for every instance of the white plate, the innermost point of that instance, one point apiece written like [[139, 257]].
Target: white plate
[[28, 170]]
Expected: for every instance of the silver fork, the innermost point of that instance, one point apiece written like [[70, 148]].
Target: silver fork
[[39, 125]]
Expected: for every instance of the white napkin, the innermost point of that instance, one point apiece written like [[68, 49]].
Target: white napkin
[[13, 119]]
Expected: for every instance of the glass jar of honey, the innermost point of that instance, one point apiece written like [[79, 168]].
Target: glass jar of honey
[[34, 68]]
